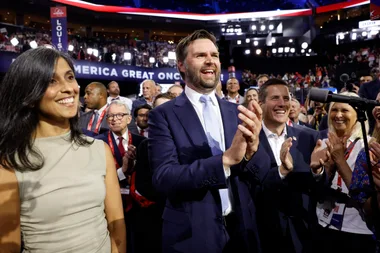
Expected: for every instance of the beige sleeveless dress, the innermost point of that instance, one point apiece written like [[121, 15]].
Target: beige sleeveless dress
[[62, 204]]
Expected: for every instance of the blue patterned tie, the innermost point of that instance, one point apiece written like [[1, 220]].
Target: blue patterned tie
[[96, 116], [212, 125], [214, 138]]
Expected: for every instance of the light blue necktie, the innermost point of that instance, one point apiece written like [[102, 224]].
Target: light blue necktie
[[213, 133]]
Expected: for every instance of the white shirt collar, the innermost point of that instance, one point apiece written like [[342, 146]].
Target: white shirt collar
[[236, 97], [100, 111], [269, 133], [125, 136], [194, 96]]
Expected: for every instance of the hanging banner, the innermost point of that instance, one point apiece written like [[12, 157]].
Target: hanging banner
[[58, 16], [117, 72], [375, 9]]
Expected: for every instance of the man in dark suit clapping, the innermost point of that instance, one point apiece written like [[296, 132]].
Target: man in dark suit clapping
[[197, 149], [123, 145]]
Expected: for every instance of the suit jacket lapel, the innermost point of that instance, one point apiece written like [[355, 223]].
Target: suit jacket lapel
[[190, 122], [265, 143], [229, 124], [293, 148], [117, 154]]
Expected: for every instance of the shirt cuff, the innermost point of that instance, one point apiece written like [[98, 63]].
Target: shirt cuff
[[318, 177], [120, 174], [279, 173], [227, 171]]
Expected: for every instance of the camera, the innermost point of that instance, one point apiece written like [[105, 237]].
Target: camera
[[349, 87]]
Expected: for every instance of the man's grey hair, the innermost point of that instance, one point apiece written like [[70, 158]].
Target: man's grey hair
[[119, 103]]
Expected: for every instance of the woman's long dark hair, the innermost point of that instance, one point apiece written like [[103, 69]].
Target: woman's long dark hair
[[21, 91]]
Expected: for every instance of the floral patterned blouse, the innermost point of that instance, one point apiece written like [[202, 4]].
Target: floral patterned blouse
[[360, 189]]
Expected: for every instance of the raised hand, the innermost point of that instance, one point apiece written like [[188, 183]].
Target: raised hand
[[336, 147], [251, 118], [129, 159], [319, 157], [286, 158]]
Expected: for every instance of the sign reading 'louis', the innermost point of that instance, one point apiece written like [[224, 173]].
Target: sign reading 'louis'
[[58, 16]]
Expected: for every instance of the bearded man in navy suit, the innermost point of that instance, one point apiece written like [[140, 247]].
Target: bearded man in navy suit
[[198, 163]]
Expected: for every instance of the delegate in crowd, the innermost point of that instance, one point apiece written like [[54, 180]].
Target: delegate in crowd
[[190, 170]]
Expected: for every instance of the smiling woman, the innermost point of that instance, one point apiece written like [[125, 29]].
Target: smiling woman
[[339, 219], [47, 163]]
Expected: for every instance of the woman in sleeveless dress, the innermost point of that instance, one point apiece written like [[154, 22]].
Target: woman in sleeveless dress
[[59, 190]]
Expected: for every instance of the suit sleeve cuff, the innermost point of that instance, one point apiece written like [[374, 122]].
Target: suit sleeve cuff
[[279, 173], [120, 174], [227, 171], [319, 176]]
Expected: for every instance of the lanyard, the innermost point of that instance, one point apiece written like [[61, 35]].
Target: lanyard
[[110, 143], [100, 119], [346, 155]]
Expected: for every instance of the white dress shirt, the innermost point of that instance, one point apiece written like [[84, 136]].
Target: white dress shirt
[[275, 142], [100, 111], [236, 100], [194, 98], [145, 131], [120, 173], [127, 101]]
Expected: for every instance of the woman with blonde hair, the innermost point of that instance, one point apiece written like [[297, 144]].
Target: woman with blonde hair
[[341, 227]]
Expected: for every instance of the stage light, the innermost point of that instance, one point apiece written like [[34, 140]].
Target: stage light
[[14, 42], [33, 44], [127, 56]]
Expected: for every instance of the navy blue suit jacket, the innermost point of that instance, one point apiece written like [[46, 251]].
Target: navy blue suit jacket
[[187, 173], [304, 124], [136, 140], [85, 118], [286, 207]]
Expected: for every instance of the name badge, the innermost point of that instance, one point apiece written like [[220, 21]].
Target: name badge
[[124, 191]]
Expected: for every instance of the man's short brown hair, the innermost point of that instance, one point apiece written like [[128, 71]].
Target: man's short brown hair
[[181, 50], [163, 95], [263, 90]]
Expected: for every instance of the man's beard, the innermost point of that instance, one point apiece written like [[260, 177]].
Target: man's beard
[[196, 80]]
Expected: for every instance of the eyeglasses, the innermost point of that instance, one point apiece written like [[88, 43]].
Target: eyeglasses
[[117, 116]]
